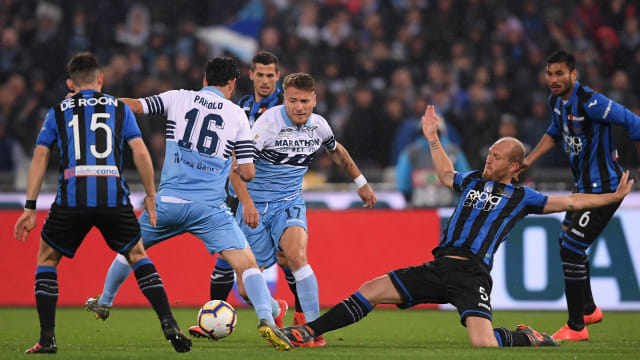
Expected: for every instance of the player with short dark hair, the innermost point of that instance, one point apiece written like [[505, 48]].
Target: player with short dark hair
[[265, 75], [205, 132], [90, 129], [582, 120], [488, 209]]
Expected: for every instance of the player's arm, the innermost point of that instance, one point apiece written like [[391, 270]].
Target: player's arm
[[142, 160], [341, 157], [545, 144], [250, 214], [444, 167], [579, 201], [27, 220], [134, 104]]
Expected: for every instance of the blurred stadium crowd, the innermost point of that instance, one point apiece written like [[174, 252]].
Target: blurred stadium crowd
[[377, 64]]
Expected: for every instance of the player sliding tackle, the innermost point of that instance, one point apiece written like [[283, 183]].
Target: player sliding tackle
[[460, 272]]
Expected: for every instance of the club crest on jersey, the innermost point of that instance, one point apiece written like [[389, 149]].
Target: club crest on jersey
[[309, 130]]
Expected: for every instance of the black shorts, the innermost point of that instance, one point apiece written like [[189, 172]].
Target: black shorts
[[584, 226], [65, 228], [461, 283]]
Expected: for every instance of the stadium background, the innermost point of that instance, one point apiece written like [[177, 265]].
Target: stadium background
[[377, 63]]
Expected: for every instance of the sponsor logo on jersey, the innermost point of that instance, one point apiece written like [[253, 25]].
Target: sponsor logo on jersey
[[572, 144], [592, 103], [482, 200], [92, 170]]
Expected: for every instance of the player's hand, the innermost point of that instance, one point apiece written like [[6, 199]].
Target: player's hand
[[150, 206], [250, 215], [26, 222], [368, 196], [430, 122], [624, 186], [523, 167]]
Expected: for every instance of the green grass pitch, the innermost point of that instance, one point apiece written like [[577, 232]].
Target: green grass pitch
[[134, 333]]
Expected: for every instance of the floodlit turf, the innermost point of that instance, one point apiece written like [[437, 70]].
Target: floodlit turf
[[384, 334]]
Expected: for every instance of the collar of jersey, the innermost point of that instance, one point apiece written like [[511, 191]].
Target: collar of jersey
[[88, 91], [270, 97], [213, 90], [573, 94], [287, 121]]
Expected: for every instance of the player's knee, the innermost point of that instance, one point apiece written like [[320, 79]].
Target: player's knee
[[484, 341], [136, 253], [571, 257]]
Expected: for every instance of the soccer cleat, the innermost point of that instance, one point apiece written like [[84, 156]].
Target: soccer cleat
[[319, 342], [594, 317], [298, 319], [51, 348], [568, 334], [536, 338], [197, 332], [100, 311], [279, 320], [176, 337], [275, 336], [301, 336]]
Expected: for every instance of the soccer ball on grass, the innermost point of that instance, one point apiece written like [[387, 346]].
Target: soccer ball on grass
[[217, 318]]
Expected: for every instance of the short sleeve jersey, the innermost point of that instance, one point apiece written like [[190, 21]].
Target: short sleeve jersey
[[485, 215], [90, 129], [203, 131], [284, 152]]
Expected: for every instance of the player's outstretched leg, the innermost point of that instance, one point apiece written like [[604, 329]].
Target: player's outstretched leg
[[536, 338]]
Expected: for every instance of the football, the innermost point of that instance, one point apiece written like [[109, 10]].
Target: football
[[217, 318]]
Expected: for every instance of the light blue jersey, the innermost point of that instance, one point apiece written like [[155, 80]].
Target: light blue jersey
[[284, 152], [203, 131]]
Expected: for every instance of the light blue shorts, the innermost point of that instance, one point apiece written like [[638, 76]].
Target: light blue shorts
[[275, 217], [214, 226]]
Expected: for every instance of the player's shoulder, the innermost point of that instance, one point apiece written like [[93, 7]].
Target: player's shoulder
[[317, 119]]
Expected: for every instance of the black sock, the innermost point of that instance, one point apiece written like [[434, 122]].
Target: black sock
[[46, 291], [150, 284], [574, 287], [221, 283], [589, 303], [291, 280], [508, 338], [345, 313]]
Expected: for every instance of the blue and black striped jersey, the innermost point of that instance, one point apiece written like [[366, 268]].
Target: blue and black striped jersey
[[485, 215], [254, 109], [90, 130], [584, 123]]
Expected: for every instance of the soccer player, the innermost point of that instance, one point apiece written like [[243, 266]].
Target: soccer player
[[204, 130], [90, 129], [582, 120], [460, 274], [272, 211], [265, 74]]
